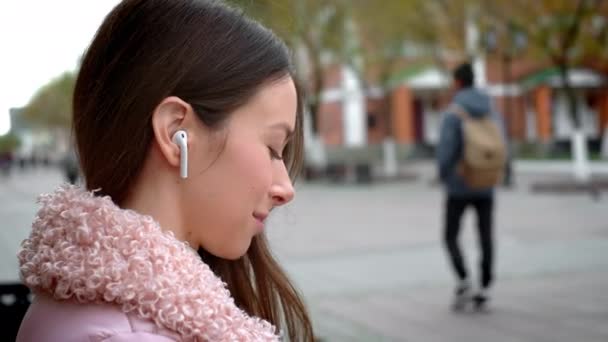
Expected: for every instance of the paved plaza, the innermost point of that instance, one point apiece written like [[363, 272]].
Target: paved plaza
[[371, 266]]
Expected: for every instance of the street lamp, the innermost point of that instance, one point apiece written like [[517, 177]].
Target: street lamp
[[509, 42]]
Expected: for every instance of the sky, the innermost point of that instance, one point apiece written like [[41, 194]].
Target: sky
[[40, 40]]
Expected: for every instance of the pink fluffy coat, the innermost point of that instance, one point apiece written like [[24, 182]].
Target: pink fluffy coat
[[101, 273]]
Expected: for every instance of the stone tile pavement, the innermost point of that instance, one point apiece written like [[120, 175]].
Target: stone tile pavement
[[371, 267]]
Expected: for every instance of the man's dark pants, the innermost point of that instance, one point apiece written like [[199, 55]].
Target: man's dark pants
[[455, 207]]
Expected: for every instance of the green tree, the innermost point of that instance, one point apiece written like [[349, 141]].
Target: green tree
[[313, 29], [51, 106], [564, 32], [407, 33], [320, 30], [9, 143], [567, 33]]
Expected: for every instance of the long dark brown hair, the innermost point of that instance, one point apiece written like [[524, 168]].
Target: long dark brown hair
[[213, 57]]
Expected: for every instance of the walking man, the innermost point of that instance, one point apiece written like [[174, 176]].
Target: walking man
[[471, 156]]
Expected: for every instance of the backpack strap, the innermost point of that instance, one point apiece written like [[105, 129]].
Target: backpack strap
[[459, 111]]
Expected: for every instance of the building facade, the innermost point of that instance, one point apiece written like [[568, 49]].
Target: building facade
[[532, 101]]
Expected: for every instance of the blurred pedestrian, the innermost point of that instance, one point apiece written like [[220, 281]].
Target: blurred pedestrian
[[471, 157], [6, 163], [69, 165], [188, 126]]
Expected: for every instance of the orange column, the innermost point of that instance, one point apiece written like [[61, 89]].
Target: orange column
[[543, 113], [402, 115], [519, 114], [603, 110]]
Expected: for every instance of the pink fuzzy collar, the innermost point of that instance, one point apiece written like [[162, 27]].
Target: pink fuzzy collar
[[87, 249]]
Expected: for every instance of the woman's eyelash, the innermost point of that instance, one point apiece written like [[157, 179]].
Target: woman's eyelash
[[274, 154]]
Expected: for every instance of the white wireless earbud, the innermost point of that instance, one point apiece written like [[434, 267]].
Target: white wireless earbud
[[180, 138]]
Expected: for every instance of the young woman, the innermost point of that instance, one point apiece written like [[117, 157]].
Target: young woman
[[189, 130]]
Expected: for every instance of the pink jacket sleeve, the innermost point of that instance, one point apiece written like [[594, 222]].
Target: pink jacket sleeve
[[48, 320]]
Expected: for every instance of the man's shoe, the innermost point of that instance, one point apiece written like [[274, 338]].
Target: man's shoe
[[462, 295]]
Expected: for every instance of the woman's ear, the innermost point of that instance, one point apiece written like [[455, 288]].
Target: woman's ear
[[169, 117]]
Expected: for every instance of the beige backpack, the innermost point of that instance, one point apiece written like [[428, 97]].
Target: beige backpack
[[484, 150]]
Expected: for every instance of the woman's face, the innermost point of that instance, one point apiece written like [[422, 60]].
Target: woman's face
[[235, 183]]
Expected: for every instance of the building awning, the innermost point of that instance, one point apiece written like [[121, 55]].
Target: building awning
[[429, 79], [578, 78], [420, 77], [401, 76]]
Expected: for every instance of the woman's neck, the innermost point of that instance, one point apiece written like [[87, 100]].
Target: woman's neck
[[155, 195]]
